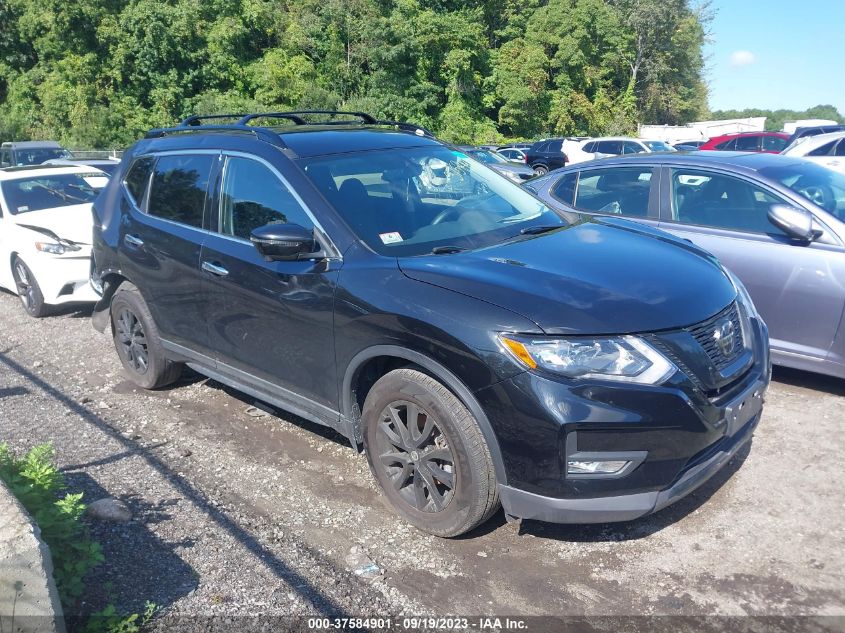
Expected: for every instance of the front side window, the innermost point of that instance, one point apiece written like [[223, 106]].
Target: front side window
[[408, 202], [24, 195], [720, 201], [821, 186], [37, 155], [179, 188], [253, 196], [616, 190], [659, 146], [632, 148]]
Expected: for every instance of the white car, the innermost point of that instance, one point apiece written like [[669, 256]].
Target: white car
[[614, 146], [825, 149], [45, 234]]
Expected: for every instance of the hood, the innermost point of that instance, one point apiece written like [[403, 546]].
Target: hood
[[594, 277], [74, 223], [524, 171]]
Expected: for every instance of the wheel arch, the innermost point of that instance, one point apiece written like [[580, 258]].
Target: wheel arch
[[391, 357], [111, 280]]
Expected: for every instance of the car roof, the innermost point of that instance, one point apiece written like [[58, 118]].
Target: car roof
[[817, 140], [752, 161], [318, 140], [32, 144], [760, 133], [28, 171]]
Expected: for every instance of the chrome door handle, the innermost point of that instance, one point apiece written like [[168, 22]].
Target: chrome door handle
[[132, 240], [214, 269]]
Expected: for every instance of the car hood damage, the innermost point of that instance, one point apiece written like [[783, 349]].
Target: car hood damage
[[593, 277], [72, 223]]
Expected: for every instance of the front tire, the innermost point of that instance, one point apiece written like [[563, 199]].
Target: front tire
[[28, 290], [137, 341], [428, 455]]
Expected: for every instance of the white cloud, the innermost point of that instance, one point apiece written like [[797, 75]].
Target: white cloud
[[742, 58]]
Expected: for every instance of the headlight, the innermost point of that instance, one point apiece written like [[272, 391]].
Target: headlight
[[624, 358], [50, 247]]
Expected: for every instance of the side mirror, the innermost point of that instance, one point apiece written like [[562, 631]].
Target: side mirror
[[283, 241], [796, 223]]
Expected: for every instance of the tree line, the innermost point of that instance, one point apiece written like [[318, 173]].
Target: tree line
[[98, 73], [776, 118]]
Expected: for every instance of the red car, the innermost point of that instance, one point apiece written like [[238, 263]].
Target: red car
[[770, 142]]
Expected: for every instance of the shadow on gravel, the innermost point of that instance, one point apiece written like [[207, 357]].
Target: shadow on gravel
[[322, 604], [8, 392], [73, 310], [645, 526], [149, 569], [809, 380]]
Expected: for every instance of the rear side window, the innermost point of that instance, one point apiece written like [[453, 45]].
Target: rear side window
[[138, 177], [727, 145], [179, 187], [555, 146], [564, 189], [253, 196], [617, 190], [609, 147], [748, 143]]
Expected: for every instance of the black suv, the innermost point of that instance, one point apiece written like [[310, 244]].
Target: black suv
[[481, 346], [546, 155]]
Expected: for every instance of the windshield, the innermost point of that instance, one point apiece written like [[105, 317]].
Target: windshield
[[46, 192], [36, 156], [820, 185], [486, 156], [409, 202], [659, 146]]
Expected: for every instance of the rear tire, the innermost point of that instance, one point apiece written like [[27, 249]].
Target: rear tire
[[428, 455], [29, 292], [540, 170], [137, 341]]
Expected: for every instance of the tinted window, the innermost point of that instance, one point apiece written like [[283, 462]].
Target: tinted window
[[5, 157], [748, 143], [773, 143], [609, 147], [254, 196], [840, 149], [823, 150], [540, 147], [631, 148], [555, 146], [564, 189], [590, 147], [179, 188], [138, 177], [710, 199], [46, 192], [618, 190], [727, 145], [36, 156]]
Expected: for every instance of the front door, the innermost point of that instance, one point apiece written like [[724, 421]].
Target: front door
[[792, 284], [270, 323]]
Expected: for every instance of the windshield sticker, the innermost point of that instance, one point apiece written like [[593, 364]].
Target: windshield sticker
[[390, 238], [23, 209]]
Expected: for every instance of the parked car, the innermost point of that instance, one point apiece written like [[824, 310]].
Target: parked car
[[546, 155], [516, 173], [106, 165], [776, 221], [827, 150], [804, 132], [21, 153], [45, 234], [482, 347], [689, 146], [614, 146], [771, 142], [514, 154]]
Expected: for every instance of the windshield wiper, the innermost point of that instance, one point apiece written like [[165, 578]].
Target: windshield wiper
[[537, 230], [447, 250]]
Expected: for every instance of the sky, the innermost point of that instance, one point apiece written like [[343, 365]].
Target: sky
[[777, 54]]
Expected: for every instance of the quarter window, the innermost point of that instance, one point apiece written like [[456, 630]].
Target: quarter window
[[725, 202], [564, 189], [253, 196], [840, 149], [619, 190], [727, 145], [823, 150], [179, 188], [138, 178]]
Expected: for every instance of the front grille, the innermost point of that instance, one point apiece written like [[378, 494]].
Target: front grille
[[711, 332]]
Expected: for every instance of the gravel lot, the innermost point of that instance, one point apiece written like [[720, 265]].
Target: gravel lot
[[236, 514]]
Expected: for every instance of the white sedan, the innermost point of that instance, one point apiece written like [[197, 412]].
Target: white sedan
[[45, 234], [825, 149]]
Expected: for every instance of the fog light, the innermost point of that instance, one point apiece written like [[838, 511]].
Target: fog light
[[596, 468]]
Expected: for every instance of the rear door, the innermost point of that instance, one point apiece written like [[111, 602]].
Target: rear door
[[165, 199], [271, 323], [790, 282]]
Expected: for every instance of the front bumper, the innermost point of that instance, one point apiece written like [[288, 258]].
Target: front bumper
[[62, 278], [527, 505], [677, 434]]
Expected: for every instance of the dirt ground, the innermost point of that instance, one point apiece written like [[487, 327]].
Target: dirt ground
[[236, 514]]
